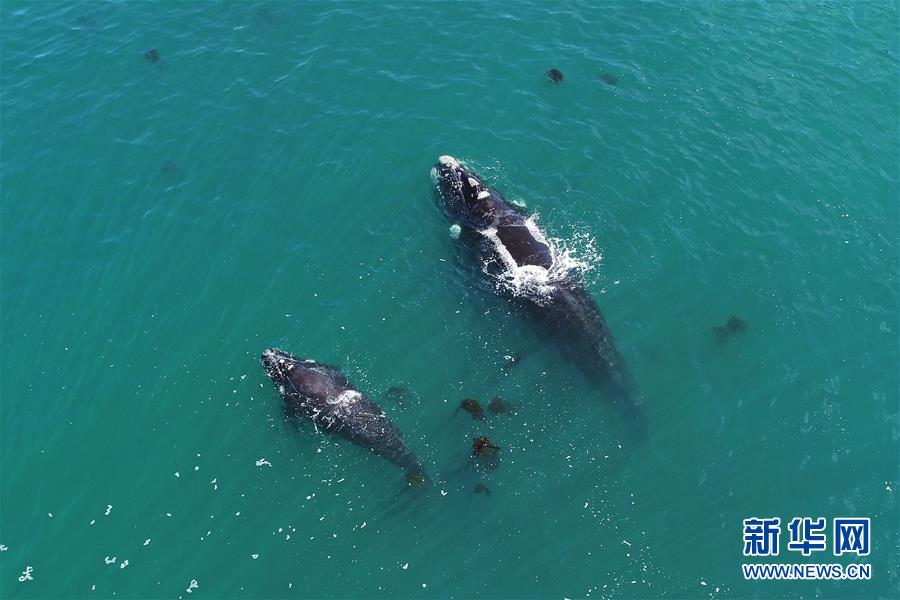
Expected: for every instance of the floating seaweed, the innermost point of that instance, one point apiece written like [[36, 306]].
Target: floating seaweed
[[609, 79], [485, 453], [473, 407], [498, 405], [733, 326], [555, 75], [510, 361], [399, 395], [264, 14]]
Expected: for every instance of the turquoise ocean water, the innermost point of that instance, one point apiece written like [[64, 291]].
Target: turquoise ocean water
[[267, 182]]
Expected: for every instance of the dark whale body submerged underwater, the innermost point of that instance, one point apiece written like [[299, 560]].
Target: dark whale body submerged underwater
[[499, 235], [320, 393]]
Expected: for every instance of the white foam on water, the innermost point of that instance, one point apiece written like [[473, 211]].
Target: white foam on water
[[570, 259]]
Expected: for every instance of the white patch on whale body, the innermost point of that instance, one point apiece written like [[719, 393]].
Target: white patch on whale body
[[455, 231], [345, 399], [535, 282], [448, 161], [483, 194], [532, 226]]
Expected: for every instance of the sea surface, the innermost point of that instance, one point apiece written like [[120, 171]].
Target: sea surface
[[266, 182]]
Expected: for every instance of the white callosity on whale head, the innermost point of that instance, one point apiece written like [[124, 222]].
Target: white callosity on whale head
[[448, 161]]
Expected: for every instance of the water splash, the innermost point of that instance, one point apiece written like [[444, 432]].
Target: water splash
[[573, 258]]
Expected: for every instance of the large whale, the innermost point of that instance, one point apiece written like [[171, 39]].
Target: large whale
[[320, 393], [514, 249]]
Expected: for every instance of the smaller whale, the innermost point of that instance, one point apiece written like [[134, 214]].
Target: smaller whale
[[323, 395]]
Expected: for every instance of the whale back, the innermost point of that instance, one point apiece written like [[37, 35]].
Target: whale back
[[524, 247], [314, 382], [576, 319]]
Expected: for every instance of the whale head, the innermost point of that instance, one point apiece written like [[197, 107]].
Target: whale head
[[299, 379], [466, 197]]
